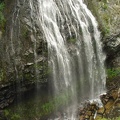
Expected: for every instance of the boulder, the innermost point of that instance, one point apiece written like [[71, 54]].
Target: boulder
[[110, 108]]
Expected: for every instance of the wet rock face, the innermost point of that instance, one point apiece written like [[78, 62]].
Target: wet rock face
[[7, 95], [23, 49], [112, 49]]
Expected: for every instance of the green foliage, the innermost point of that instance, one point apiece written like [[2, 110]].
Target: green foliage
[[6, 113], [106, 27], [37, 109], [118, 118], [72, 40], [113, 72], [2, 5], [15, 117], [104, 6], [105, 30], [2, 18], [58, 101]]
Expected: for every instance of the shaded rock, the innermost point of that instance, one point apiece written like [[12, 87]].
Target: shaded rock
[[21, 46], [2, 115], [7, 95], [112, 49]]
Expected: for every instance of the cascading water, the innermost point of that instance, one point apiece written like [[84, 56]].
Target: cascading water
[[75, 52], [76, 60]]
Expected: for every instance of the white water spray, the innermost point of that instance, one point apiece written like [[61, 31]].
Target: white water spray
[[79, 65]]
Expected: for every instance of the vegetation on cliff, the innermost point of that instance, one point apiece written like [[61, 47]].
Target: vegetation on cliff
[[107, 13], [2, 18]]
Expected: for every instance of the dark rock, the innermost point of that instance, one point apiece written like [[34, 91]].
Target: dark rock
[[18, 63], [1, 98], [7, 95], [111, 106], [112, 49], [2, 116]]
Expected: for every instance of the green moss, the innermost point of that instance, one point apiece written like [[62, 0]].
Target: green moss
[[2, 18], [72, 40], [15, 117], [2, 75], [6, 113], [104, 6], [25, 32], [10, 116], [105, 30]]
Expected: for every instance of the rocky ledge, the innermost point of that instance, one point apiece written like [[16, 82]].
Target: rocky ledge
[[110, 108]]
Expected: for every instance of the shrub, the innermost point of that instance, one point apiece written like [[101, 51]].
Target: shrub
[[113, 72]]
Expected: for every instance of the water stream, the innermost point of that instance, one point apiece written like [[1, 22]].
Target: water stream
[[74, 48], [75, 56]]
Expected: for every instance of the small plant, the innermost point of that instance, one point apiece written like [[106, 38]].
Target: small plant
[[113, 72], [104, 6], [38, 109], [72, 40], [6, 113], [15, 117], [105, 30]]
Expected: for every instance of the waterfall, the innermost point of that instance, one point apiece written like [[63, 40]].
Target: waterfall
[[82, 64], [75, 55], [74, 47]]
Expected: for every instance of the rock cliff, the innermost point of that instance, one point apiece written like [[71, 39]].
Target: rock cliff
[[23, 48]]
